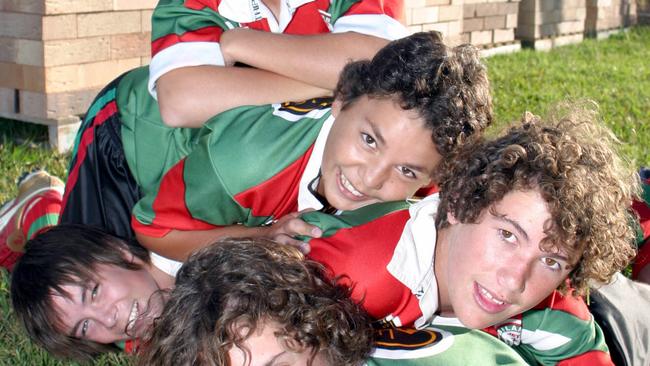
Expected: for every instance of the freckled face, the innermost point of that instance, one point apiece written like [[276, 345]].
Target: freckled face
[[375, 152], [495, 269], [116, 307]]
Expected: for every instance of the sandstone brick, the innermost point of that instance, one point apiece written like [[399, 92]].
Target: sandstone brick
[[145, 19], [487, 9], [134, 4], [21, 51], [23, 6], [77, 6], [414, 28], [440, 2], [469, 11], [146, 60], [503, 35], [474, 24], [414, 4], [479, 38], [20, 25], [495, 22], [25, 77], [84, 76], [130, 45], [59, 26], [107, 23], [54, 105], [424, 15], [7, 100], [443, 28], [77, 51], [451, 12], [474, 1], [511, 20]]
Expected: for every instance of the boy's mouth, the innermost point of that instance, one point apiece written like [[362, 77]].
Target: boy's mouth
[[133, 316], [488, 301], [346, 187]]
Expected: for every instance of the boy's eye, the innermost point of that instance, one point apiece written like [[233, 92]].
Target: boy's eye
[[84, 328], [551, 263], [407, 172], [507, 236], [368, 140], [94, 291]]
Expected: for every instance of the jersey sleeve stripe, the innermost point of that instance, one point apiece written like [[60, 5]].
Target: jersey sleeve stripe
[[181, 55], [205, 34], [378, 25]]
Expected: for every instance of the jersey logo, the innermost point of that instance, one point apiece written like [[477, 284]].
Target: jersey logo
[[296, 111], [400, 343], [510, 332]]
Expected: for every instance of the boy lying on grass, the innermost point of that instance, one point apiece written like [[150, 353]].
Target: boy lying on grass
[[515, 218]]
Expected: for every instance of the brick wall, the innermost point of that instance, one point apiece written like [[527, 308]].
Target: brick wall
[[490, 23], [444, 16], [548, 23], [604, 15], [56, 54]]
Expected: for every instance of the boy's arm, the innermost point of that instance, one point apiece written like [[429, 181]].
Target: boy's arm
[[184, 37]]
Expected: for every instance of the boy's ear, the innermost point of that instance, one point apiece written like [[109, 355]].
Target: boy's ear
[[337, 105], [451, 219]]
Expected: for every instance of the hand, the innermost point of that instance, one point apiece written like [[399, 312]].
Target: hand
[[291, 225]]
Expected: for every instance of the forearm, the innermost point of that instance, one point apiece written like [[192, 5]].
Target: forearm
[[178, 244], [191, 95], [313, 59]]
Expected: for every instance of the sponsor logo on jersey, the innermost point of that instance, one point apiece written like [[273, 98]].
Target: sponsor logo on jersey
[[398, 343], [510, 332], [296, 111]]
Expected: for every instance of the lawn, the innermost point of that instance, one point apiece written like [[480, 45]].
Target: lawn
[[613, 72]]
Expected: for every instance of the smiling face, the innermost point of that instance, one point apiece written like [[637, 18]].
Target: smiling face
[[267, 349], [494, 269], [375, 152], [117, 306]]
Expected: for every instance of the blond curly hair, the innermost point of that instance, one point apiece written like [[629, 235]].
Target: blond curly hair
[[572, 159]]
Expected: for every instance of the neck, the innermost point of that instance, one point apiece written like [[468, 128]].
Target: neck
[[164, 280], [274, 7], [440, 268]]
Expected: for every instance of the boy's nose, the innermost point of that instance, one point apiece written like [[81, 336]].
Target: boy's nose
[[374, 177], [512, 275]]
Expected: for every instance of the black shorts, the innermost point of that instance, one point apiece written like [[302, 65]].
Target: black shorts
[[100, 190]]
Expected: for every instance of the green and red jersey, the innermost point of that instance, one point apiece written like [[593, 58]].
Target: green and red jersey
[[251, 165], [187, 32], [384, 252]]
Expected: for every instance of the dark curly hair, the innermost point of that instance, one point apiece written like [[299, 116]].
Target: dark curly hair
[[66, 254], [447, 87], [573, 161], [238, 284]]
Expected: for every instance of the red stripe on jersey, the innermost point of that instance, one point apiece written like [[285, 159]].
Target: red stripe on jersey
[[260, 25], [392, 8], [168, 214], [644, 216], [346, 253], [206, 34], [573, 305], [591, 358], [202, 4], [278, 195], [307, 19], [82, 150]]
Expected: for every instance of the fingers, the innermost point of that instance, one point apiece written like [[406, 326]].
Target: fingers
[[302, 246]]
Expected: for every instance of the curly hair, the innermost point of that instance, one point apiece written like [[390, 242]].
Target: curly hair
[[63, 255], [572, 159], [238, 284], [447, 87]]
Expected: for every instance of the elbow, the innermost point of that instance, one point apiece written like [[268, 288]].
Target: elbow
[[176, 109]]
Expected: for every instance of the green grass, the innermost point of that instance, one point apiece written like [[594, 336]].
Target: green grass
[[613, 72]]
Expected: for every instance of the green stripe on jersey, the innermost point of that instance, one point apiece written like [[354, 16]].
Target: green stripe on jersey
[[172, 17]]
